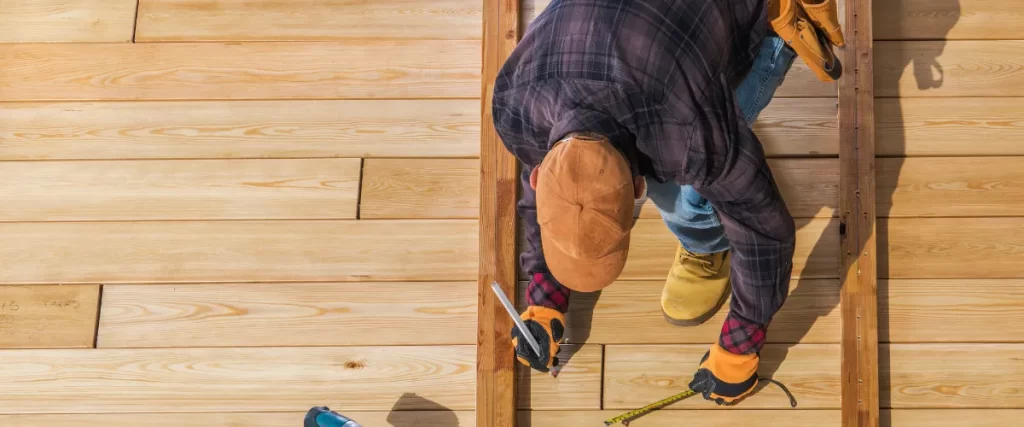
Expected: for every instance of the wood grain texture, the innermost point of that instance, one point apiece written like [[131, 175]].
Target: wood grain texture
[[296, 314], [963, 186], [48, 316], [180, 71], [578, 385], [428, 188], [237, 251], [436, 418], [951, 417], [948, 19], [291, 20], [911, 69], [67, 21], [256, 379], [950, 126], [935, 310], [629, 312], [801, 418], [925, 375], [799, 127], [239, 129], [177, 190], [638, 375], [951, 248]]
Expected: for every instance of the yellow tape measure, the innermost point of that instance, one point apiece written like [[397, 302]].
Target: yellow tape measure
[[637, 413]]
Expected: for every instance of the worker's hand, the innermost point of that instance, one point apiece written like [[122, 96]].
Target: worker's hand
[[724, 377], [547, 326]]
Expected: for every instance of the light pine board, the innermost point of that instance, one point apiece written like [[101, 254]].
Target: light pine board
[[436, 418], [578, 385], [933, 375], [91, 21], [239, 129], [238, 251], [288, 314], [949, 126], [675, 418], [969, 68], [180, 189], [953, 310], [962, 186], [180, 71], [950, 248], [636, 375], [948, 19], [799, 127], [427, 188], [951, 417], [629, 312], [48, 316], [280, 20], [244, 380]]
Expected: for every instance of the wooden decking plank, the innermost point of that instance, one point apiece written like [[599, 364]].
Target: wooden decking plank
[[951, 248], [182, 71], [802, 418], [636, 375], [239, 129], [288, 314], [938, 376], [961, 310], [434, 418], [629, 312], [49, 316], [302, 20], [968, 68], [244, 380], [238, 251], [427, 188], [962, 186], [180, 190], [950, 126], [799, 127], [948, 19], [92, 21], [951, 417], [578, 385]]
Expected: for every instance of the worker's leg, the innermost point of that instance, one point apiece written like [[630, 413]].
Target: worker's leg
[[697, 283]]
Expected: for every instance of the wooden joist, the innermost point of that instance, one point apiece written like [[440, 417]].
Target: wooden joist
[[943, 187], [93, 21], [182, 71], [237, 251], [288, 314], [48, 316], [180, 190], [429, 418], [968, 68], [948, 19], [950, 126], [951, 248], [578, 386], [636, 375], [953, 375], [951, 310], [427, 188], [243, 379], [239, 129], [304, 20]]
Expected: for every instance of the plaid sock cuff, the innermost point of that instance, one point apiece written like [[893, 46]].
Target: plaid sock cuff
[[740, 336], [544, 291]]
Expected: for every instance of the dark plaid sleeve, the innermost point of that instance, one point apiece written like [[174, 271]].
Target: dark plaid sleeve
[[543, 289]]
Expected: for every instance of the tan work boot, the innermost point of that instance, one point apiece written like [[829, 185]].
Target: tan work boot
[[696, 287]]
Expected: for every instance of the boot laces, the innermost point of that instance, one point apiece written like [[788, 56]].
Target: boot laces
[[706, 261]]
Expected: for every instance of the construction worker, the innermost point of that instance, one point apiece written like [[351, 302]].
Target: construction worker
[[607, 102]]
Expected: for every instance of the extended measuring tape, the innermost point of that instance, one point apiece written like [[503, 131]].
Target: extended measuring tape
[[637, 413]]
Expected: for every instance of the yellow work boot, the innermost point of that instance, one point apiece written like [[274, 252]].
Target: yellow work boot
[[696, 287]]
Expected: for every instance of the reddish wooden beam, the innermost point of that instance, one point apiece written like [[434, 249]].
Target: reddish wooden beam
[[495, 369]]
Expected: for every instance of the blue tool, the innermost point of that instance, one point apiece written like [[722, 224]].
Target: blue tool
[[322, 416]]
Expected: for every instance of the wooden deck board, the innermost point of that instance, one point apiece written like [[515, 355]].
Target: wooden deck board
[[799, 127], [238, 251], [92, 21], [951, 310], [950, 126], [801, 418], [927, 376], [288, 314], [291, 20], [182, 71], [951, 417], [948, 19], [435, 418], [427, 188], [961, 187], [969, 68], [48, 316], [951, 248], [578, 385]]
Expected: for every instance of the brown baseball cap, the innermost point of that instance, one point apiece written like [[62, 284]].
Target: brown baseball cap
[[585, 212]]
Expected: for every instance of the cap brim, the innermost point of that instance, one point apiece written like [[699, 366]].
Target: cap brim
[[585, 275]]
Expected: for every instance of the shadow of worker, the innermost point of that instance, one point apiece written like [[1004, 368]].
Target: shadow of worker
[[412, 410]]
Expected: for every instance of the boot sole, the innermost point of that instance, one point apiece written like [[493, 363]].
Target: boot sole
[[702, 318]]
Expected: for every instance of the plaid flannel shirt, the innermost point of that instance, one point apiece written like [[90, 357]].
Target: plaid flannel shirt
[[658, 78]]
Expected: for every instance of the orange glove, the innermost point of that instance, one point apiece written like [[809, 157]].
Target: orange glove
[[547, 326], [724, 377]]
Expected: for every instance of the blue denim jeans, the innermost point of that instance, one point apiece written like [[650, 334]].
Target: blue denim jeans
[[690, 217]]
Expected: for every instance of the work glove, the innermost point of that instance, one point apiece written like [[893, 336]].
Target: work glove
[[547, 326], [724, 377], [825, 16]]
